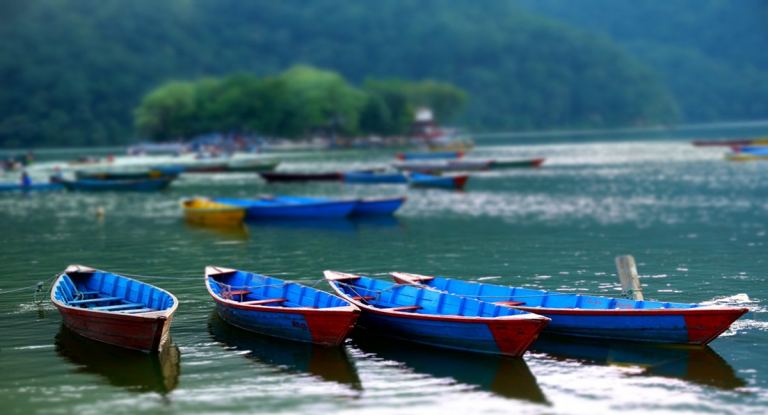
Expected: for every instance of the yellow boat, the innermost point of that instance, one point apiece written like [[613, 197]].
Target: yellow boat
[[745, 157], [206, 212]]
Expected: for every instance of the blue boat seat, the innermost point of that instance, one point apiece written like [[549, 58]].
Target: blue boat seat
[[118, 307], [262, 302], [406, 308], [94, 300], [85, 293]]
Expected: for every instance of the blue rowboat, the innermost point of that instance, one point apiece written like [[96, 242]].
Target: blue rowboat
[[446, 182], [266, 209], [279, 308], [364, 207], [11, 187], [126, 175], [374, 178], [438, 319], [756, 150], [430, 156], [594, 316], [114, 309], [128, 185], [378, 207]]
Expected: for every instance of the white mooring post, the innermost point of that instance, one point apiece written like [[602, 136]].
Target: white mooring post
[[630, 282]]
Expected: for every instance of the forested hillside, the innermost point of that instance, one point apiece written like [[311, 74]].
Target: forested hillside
[[710, 53], [72, 72]]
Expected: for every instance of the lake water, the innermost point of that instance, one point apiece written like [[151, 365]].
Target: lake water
[[696, 225]]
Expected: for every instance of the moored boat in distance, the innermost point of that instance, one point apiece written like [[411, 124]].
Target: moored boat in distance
[[265, 208], [281, 176], [449, 165], [437, 319], [594, 316], [252, 165], [374, 178], [114, 309], [154, 173], [118, 185], [430, 156], [280, 308], [363, 207], [11, 187], [508, 164], [203, 211], [445, 182]]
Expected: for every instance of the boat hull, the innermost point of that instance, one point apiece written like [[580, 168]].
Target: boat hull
[[689, 326], [445, 182], [599, 317], [437, 319], [118, 185], [377, 207], [113, 309], [374, 178], [313, 316], [511, 164], [12, 187], [430, 156], [209, 213], [300, 177], [268, 209]]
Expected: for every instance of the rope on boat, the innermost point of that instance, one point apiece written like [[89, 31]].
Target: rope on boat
[[155, 277], [38, 287]]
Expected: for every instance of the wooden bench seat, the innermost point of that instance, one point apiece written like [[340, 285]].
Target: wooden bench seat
[[119, 307], [262, 302], [510, 303], [406, 308], [137, 311], [94, 300], [238, 292]]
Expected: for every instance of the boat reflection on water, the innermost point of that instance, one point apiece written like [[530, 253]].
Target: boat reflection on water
[[330, 364], [696, 364], [503, 376], [384, 221], [235, 233], [124, 368], [306, 225]]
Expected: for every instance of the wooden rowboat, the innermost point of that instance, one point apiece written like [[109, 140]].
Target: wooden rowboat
[[593, 316], [438, 319], [446, 182], [362, 207], [207, 212], [273, 208], [374, 178], [275, 176], [278, 308], [119, 185], [114, 309], [509, 164], [430, 156], [11, 187]]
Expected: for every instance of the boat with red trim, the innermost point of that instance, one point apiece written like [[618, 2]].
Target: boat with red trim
[[445, 182], [114, 309], [595, 316], [438, 319], [280, 308]]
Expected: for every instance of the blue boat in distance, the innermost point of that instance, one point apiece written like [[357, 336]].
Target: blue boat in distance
[[12, 187], [120, 185], [364, 207], [444, 182], [594, 316], [374, 178], [430, 156], [437, 319], [280, 308], [266, 209]]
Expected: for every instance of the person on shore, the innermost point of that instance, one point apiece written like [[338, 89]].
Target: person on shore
[[25, 180]]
